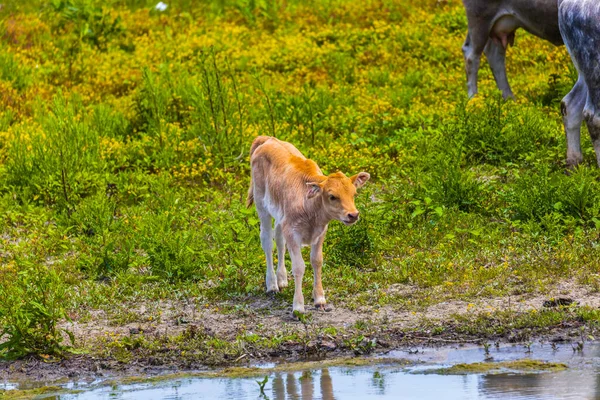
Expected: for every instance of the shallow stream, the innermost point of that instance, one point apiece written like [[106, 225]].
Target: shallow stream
[[415, 374]]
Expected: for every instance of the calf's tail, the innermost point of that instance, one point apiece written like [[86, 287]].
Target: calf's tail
[[255, 145], [250, 198]]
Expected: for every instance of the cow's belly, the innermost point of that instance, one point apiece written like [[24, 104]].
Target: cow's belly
[[504, 29], [545, 27], [272, 207], [505, 25]]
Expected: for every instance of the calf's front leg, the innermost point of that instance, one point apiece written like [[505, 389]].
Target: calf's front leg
[[298, 267], [316, 259]]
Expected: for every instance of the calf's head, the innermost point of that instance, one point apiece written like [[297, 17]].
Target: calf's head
[[337, 193]]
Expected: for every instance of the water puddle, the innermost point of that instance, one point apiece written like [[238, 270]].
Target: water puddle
[[415, 374]]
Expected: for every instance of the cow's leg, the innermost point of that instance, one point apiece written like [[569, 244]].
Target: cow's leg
[[496, 56], [282, 280], [471, 79], [316, 259], [591, 114], [266, 240], [298, 267], [472, 49], [572, 112]]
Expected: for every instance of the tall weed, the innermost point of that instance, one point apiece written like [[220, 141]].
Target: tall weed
[[498, 132], [33, 304], [536, 195], [58, 162]]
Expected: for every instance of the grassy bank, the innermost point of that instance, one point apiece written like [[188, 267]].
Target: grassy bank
[[124, 138]]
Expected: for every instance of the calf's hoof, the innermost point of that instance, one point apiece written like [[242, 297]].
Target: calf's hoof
[[273, 290], [323, 307], [282, 284], [272, 295], [298, 309]]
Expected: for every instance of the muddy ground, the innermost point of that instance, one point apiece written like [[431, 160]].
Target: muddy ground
[[369, 330]]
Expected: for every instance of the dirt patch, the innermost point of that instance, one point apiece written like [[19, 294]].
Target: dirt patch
[[225, 320], [271, 315]]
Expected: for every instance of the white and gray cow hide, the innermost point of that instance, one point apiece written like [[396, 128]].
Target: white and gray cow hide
[[579, 22], [492, 25]]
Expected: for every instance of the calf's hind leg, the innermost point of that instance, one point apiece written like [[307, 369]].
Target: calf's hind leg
[[282, 280], [298, 268], [266, 240]]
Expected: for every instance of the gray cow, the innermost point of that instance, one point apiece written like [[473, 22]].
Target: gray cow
[[579, 22], [492, 25]]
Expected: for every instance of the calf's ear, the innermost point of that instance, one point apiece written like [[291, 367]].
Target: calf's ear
[[313, 189], [360, 179]]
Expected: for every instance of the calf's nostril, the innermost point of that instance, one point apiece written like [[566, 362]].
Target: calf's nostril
[[353, 216]]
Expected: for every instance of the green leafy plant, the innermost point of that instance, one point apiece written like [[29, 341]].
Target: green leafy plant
[[261, 385], [59, 163], [33, 305]]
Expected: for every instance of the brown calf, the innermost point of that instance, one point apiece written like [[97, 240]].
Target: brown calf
[[292, 189]]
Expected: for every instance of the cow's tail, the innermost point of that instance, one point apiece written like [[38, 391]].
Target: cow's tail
[[255, 145]]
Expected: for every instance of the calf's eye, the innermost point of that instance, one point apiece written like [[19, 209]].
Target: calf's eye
[[332, 197]]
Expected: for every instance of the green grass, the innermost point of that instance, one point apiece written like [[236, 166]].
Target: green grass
[[124, 163]]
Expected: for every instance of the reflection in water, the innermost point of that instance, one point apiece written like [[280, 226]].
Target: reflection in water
[[563, 385], [291, 386], [306, 385], [378, 382], [285, 386], [362, 384], [278, 387], [326, 385]]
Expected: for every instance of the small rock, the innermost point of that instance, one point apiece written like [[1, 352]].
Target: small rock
[[134, 331], [154, 361], [559, 302], [327, 345], [516, 337], [295, 347]]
